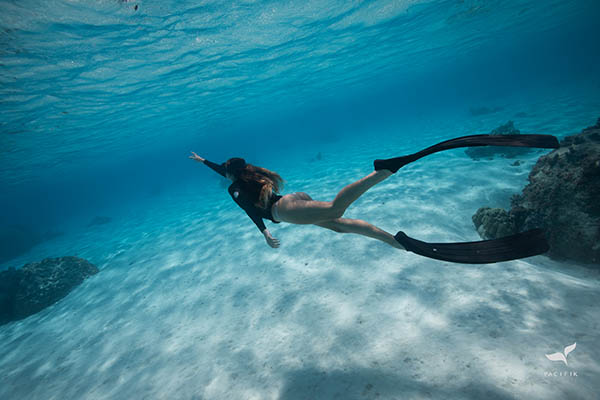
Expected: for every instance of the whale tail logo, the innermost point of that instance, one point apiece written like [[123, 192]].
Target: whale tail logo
[[560, 356]]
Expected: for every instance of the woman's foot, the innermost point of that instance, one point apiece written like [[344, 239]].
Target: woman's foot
[[391, 164]]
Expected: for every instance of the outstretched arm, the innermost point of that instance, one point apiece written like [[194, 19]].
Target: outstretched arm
[[219, 169]]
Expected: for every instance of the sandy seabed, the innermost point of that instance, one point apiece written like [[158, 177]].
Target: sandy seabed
[[191, 303]]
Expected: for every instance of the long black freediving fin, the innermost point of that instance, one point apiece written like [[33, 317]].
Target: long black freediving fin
[[521, 245], [541, 141]]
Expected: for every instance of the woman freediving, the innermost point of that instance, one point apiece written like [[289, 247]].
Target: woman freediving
[[256, 191]]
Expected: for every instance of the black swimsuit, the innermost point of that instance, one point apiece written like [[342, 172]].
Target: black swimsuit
[[244, 200]]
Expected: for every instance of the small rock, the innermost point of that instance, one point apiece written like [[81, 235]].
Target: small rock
[[37, 285]]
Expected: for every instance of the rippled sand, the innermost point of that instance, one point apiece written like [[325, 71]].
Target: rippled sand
[[191, 303]]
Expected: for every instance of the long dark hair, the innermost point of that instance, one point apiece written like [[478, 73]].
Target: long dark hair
[[258, 181]]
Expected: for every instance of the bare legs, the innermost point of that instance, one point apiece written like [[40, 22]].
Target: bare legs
[[358, 226], [353, 191], [328, 214], [311, 212]]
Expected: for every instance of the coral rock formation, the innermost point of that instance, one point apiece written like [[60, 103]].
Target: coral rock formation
[[563, 197], [37, 285]]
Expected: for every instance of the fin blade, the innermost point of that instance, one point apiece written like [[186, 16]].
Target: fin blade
[[520, 245], [524, 140]]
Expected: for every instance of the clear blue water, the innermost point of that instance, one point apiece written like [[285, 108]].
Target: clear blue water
[[101, 105]]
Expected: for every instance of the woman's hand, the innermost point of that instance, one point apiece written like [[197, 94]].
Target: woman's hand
[[196, 157], [271, 241]]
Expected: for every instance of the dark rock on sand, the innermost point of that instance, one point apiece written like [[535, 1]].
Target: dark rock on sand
[[9, 283], [37, 285], [492, 223], [318, 157], [99, 221], [477, 153], [563, 197]]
